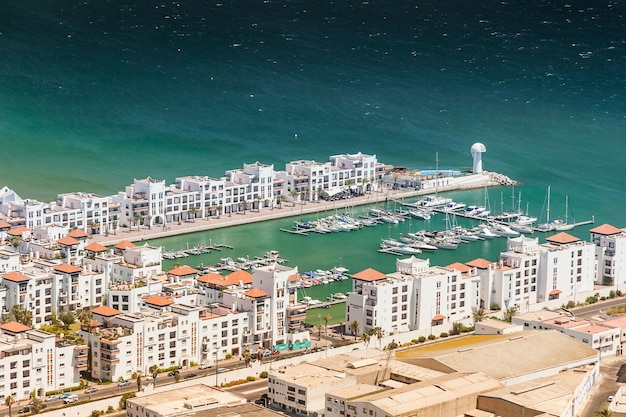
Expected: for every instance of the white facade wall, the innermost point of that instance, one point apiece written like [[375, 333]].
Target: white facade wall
[[224, 334], [9, 261], [611, 260], [93, 210], [33, 361]]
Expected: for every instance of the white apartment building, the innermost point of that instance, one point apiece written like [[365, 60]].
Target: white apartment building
[[611, 255], [9, 261], [92, 213], [250, 187], [416, 296], [529, 273], [306, 178], [356, 171], [137, 262], [33, 360]]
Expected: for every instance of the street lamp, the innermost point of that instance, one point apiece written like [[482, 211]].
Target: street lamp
[[216, 366]]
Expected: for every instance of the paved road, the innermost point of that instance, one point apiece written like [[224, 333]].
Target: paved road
[[591, 310]]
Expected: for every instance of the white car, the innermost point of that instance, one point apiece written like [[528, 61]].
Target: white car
[[204, 365]]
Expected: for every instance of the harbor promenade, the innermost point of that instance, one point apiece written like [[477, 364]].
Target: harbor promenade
[[288, 209]]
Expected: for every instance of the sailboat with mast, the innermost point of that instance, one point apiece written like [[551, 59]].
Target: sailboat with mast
[[564, 225], [558, 225]]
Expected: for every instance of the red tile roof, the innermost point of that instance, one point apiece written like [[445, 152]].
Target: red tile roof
[[369, 274], [555, 292], [4, 225], [462, 268], [17, 231], [15, 277], [77, 233], [15, 327], [240, 275], [124, 244], [439, 317], [211, 277], [68, 241], [183, 270], [562, 238], [255, 293], [606, 229], [294, 277], [106, 311], [159, 301], [95, 247], [479, 263], [67, 268]]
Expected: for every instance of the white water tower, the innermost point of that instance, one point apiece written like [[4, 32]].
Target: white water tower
[[477, 156]]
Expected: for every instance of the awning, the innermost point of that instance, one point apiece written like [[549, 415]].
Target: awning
[[439, 317], [555, 292]]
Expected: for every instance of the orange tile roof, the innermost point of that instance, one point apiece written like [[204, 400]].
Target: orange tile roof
[[240, 275], [159, 301], [183, 270], [68, 241], [555, 292], [15, 327], [15, 277], [17, 231], [95, 247], [294, 277], [562, 238], [606, 229], [439, 317], [369, 274], [211, 277], [4, 225], [255, 293], [106, 311], [124, 244], [462, 268], [77, 233], [479, 263], [67, 268]]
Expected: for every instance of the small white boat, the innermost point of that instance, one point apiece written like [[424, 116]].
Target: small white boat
[[433, 201], [453, 206], [485, 232], [503, 230], [421, 214]]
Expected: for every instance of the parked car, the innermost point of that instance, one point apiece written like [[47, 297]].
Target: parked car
[[123, 383], [174, 372], [191, 375], [70, 399], [91, 390], [276, 352], [23, 410], [52, 397], [204, 365], [64, 395], [267, 353]]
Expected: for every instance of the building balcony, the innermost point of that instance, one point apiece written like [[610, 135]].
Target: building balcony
[[110, 360], [81, 365]]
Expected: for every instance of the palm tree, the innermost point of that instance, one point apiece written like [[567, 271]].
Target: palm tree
[[379, 333], [456, 328], [603, 412], [258, 200], [138, 381], [381, 182], [244, 206], [326, 318], [247, 357], [365, 338], [9, 401], [509, 313], [154, 371], [354, 327], [293, 193], [192, 213], [218, 208], [342, 328], [319, 331], [479, 315]]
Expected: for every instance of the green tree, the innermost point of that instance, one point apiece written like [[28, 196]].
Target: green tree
[[138, 381], [366, 338], [192, 213], [294, 194], [247, 357], [326, 318], [479, 315], [21, 315], [379, 333], [68, 318], [154, 371], [456, 328], [37, 404], [9, 401], [258, 200], [603, 412], [354, 327], [126, 396], [509, 313]]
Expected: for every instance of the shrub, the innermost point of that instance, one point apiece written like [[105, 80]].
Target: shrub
[[443, 334], [263, 374], [570, 304], [431, 337], [110, 409], [251, 378], [392, 345], [415, 341], [96, 413], [229, 356], [494, 306], [612, 294], [124, 398], [421, 339]]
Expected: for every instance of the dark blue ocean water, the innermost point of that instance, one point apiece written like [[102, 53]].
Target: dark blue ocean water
[[96, 93]]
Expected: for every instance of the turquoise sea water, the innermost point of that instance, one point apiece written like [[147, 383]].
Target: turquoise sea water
[[96, 93]]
